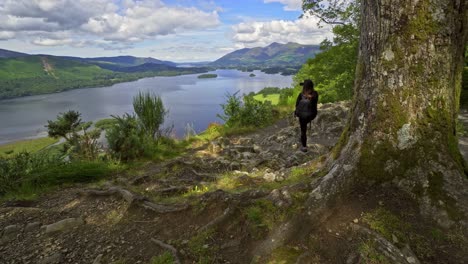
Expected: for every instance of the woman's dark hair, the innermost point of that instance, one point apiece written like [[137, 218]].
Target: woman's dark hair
[[308, 88]]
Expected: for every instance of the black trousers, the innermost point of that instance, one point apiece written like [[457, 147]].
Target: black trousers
[[303, 122]]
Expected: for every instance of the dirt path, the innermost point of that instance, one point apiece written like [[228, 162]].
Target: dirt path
[[212, 205]]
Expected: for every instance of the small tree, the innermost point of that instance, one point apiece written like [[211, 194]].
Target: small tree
[[150, 111], [80, 142], [66, 125]]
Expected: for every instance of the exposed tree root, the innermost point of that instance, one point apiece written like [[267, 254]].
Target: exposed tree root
[[385, 247], [219, 220], [138, 200], [172, 249], [173, 190], [162, 208]]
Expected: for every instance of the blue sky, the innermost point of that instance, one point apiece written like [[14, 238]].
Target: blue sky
[[176, 30]]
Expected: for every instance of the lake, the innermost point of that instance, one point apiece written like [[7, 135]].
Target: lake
[[189, 100]]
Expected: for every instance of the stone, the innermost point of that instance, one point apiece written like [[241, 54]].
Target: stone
[[55, 258], [98, 259], [356, 220], [11, 230], [247, 155], [32, 226], [63, 225], [257, 148], [269, 176]]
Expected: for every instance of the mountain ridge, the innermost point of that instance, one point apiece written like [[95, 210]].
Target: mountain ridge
[[275, 54]]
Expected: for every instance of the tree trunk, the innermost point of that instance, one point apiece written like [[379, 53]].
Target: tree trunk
[[402, 126]]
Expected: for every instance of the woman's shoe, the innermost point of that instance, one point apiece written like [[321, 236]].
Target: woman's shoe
[[304, 149]]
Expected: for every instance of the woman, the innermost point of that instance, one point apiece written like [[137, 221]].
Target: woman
[[306, 109]]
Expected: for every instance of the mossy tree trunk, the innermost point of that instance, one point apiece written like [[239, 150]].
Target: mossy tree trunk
[[402, 125]]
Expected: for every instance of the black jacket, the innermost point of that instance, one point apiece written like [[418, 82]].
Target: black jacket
[[313, 102]]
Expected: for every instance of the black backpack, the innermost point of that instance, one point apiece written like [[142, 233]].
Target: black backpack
[[304, 108]]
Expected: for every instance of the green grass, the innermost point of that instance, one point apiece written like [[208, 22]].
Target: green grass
[[165, 258], [29, 145], [273, 98], [49, 177], [105, 123]]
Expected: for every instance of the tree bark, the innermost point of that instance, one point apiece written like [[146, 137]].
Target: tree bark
[[402, 126]]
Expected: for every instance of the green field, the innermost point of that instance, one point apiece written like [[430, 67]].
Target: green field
[[273, 98], [29, 145]]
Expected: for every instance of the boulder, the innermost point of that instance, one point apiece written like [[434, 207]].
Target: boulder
[[63, 225]]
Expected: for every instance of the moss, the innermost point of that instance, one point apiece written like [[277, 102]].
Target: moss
[[284, 255], [200, 248], [437, 193], [370, 255], [422, 24], [387, 224], [262, 217], [341, 143], [165, 258]]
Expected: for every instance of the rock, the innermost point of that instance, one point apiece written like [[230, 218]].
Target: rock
[[235, 165], [55, 258], [269, 176], [352, 258], [245, 141], [63, 225], [11, 230], [247, 155], [356, 220], [411, 260], [32, 226], [97, 260], [257, 148], [394, 238]]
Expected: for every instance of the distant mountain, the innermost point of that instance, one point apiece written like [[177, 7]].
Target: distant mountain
[[113, 63], [273, 55], [11, 54]]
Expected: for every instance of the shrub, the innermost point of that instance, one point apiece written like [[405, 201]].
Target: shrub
[[125, 138], [150, 111], [14, 171], [246, 112]]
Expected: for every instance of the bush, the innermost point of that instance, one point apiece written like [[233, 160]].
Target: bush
[[150, 111], [14, 171], [125, 138], [246, 112]]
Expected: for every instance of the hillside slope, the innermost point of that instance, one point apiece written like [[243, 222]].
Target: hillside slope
[[11, 54], [39, 74], [218, 202]]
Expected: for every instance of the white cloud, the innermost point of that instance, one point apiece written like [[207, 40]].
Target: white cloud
[[304, 30], [82, 22], [289, 5], [51, 42], [5, 35]]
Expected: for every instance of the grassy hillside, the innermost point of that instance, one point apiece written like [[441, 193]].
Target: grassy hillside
[[40, 74]]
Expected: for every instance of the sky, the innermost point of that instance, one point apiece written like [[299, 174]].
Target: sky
[[175, 30]]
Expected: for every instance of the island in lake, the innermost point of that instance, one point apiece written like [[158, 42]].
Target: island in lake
[[208, 75]]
